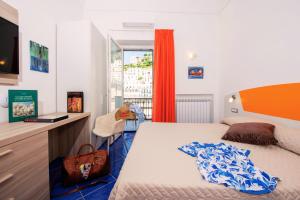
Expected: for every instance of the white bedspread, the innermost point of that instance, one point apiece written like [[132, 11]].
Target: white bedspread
[[155, 169]]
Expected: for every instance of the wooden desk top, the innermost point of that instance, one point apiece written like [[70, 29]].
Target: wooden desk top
[[12, 132]]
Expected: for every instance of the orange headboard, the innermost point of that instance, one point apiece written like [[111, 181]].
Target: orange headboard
[[276, 100]]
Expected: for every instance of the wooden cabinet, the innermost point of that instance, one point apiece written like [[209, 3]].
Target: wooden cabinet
[[24, 169], [27, 148]]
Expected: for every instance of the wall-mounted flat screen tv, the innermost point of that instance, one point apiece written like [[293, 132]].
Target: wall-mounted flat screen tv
[[9, 47]]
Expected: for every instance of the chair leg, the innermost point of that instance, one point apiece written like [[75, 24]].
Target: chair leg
[[96, 141], [108, 143], [124, 141]]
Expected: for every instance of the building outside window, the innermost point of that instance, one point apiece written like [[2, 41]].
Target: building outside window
[[138, 73]]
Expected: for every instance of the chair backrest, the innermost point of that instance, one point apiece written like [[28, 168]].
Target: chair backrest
[[109, 118]]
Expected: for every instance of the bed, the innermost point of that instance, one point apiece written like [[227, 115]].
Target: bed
[[155, 169]]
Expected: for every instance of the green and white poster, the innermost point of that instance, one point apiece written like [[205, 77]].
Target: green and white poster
[[22, 104], [39, 57]]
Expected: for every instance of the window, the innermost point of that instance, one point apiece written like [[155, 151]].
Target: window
[[138, 72]]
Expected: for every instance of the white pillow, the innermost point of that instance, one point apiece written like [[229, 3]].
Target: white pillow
[[242, 119], [288, 138]]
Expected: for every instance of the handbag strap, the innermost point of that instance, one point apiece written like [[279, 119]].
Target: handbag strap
[[78, 154], [84, 145], [78, 189]]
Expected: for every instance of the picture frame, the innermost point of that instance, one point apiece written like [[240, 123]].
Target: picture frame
[[39, 57], [75, 102], [195, 72], [22, 104]]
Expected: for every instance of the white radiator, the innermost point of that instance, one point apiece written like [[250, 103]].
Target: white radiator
[[194, 108]]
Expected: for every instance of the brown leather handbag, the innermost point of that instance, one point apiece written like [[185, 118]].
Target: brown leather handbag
[[86, 166]]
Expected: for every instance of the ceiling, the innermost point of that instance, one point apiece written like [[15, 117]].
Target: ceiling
[[167, 6]]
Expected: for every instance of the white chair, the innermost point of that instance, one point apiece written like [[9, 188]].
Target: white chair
[[106, 126]]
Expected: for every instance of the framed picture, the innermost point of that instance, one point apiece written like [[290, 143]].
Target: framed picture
[[75, 102], [22, 104], [195, 72], [39, 57]]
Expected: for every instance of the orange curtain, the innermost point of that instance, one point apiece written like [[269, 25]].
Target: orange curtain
[[164, 77]]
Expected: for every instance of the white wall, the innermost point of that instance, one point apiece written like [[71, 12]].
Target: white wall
[[73, 61], [99, 71], [171, 6], [193, 33], [248, 44], [37, 22], [64, 10], [35, 26], [195, 23], [81, 66], [260, 44]]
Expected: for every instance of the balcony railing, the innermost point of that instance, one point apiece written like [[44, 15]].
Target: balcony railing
[[144, 103]]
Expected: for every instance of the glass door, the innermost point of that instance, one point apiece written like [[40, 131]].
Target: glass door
[[115, 75], [138, 78]]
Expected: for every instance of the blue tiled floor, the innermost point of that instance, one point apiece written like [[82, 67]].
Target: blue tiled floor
[[117, 154]]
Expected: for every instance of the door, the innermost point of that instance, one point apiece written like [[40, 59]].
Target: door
[[138, 78], [115, 75]]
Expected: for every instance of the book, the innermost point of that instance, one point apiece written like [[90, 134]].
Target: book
[[48, 118], [22, 104]]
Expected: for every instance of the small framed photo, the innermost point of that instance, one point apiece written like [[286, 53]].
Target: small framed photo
[[75, 102], [195, 72]]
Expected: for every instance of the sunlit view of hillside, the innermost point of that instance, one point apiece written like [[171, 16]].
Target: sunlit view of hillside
[[137, 74]]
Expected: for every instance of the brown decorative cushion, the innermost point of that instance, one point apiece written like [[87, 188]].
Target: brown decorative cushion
[[251, 133]]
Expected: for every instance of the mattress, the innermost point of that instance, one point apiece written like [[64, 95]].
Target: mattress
[[155, 169]]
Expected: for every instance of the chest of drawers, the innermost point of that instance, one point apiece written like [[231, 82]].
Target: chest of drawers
[[24, 169]]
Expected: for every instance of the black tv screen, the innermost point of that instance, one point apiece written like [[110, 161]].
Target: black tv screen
[[9, 47]]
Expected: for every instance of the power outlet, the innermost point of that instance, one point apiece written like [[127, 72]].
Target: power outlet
[[3, 102]]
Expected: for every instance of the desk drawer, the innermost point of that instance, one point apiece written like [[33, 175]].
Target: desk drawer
[[19, 152], [24, 172]]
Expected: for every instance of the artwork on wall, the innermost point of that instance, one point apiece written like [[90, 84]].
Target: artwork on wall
[[75, 102], [196, 72], [39, 57], [22, 104]]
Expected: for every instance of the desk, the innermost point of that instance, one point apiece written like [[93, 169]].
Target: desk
[[27, 148]]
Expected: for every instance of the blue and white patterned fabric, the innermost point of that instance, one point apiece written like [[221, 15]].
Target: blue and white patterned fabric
[[227, 165], [132, 125], [138, 111]]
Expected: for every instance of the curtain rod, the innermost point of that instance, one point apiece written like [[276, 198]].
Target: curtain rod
[[135, 30]]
